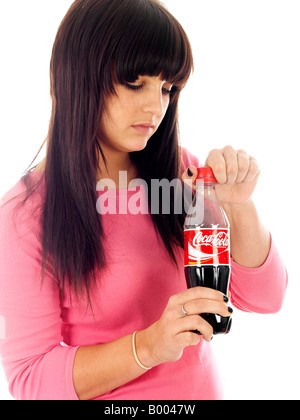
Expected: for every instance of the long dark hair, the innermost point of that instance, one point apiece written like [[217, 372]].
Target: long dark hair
[[100, 42]]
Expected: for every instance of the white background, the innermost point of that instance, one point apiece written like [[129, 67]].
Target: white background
[[245, 92]]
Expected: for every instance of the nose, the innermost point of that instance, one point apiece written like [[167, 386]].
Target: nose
[[154, 103]]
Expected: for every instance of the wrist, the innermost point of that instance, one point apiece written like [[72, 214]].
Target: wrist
[[238, 214], [145, 349], [250, 240], [238, 208], [136, 357]]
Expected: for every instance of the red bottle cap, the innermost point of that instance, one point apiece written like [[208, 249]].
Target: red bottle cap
[[206, 175]]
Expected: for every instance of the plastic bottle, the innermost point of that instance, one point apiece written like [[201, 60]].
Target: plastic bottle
[[207, 244]]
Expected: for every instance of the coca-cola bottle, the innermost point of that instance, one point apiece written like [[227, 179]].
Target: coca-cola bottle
[[207, 244]]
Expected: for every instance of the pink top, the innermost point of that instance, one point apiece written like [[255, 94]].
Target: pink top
[[40, 332]]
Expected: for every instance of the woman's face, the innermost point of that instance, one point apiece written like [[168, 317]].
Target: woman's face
[[133, 115]]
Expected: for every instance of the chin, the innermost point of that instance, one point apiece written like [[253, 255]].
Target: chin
[[138, 146]]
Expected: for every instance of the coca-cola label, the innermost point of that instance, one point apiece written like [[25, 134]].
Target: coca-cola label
[[206, 247]]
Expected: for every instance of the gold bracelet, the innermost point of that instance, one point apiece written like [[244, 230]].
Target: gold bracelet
[[135, 355]]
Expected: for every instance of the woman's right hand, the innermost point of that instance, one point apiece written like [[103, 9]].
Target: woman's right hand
[[165, 340]]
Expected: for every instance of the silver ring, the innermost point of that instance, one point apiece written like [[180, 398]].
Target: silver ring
[[183, 311]]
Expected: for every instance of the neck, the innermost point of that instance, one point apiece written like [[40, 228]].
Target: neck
[[116, 161]]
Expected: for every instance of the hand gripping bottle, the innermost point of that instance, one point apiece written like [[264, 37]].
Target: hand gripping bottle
[[207, 244]]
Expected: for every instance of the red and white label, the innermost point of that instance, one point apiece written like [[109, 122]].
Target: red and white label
[[206, 247]]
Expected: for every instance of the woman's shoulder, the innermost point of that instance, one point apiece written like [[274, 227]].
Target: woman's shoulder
[[22, 203], [18, 192]]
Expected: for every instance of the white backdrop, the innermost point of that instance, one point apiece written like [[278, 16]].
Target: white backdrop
[[245, 92]]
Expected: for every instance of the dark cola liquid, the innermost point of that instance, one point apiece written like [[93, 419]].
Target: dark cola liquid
[[213, 277]]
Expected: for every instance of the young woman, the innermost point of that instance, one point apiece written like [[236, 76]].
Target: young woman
[[91, 304]]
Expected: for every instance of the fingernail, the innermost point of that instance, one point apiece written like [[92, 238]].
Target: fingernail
[[189, 172], [230, 309], [226, 298]]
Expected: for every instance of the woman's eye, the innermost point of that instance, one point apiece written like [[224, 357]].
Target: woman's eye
[[134, 87], [165, 91]]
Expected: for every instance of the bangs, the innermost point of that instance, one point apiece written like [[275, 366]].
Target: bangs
[[153, 43]]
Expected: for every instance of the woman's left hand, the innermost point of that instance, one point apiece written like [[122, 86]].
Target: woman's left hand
[[236, 172]]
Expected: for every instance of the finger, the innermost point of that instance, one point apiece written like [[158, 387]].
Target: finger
[[195, 293], [216, 161], [232, 167], [203, 306], [189, 326], [243, 165], [189, 175], [253, 171], [188, 338]]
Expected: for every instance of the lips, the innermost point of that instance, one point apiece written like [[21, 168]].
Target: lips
[[144, 128]]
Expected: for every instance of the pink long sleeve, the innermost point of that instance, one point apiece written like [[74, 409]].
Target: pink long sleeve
[[36, 364], [261, 289]]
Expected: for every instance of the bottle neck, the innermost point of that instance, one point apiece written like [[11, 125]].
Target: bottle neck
[[200, 185], [206, 191], [206, 210]]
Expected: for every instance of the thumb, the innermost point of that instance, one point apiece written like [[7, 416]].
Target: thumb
[[190, 175]]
